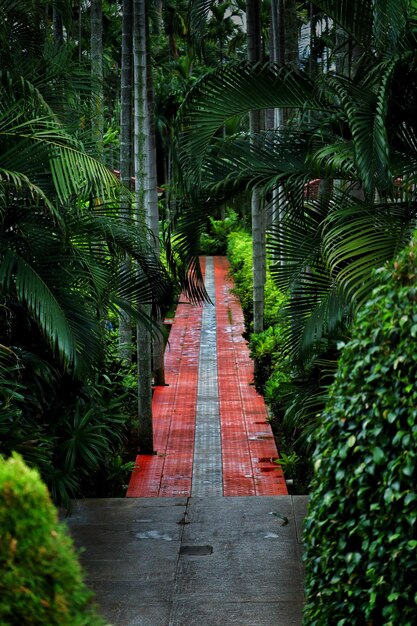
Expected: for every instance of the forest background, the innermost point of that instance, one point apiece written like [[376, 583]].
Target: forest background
[[135, 136]]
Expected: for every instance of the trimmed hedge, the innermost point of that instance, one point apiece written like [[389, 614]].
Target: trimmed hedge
[[239, 253], [41, 582], [361, 530]]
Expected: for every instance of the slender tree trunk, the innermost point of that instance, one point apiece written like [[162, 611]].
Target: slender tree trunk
[[152, 209], [151, 206], [146, 205], [125, 325], [253, 17], [140, 149], [284, 49], [58, 26], [96, 52]]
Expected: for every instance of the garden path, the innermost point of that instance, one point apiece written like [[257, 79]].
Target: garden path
[[211, 433], [195, 557]]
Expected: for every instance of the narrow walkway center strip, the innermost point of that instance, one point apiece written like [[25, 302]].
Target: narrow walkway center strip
[[207, 466], [210, 426]]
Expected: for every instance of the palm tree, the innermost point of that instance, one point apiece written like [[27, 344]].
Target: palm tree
[[146, 206], [126, 90], [61, 243], [359, 130]]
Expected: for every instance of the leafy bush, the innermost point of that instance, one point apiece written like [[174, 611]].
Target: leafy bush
[[292, 399], [265, 349], [41, 581], [239, 252], [214, 241], [73, 431], [276, 388], [361, 543]]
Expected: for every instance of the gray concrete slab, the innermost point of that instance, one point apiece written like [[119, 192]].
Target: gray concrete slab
[[207, 465], [210, 561]]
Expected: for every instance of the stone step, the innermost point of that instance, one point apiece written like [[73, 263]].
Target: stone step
[[192, 561]]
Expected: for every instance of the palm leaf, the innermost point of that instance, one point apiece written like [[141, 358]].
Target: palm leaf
[[239, 162], [360, 238], [199, 12], [354, 16], [17, 275], [366, 112], [235, 90], [390, 20]]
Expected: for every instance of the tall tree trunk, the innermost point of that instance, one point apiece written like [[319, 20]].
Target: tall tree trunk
[[125, 325], [253, 18], [96, 53], [151, 205], [284, 50], [152, 209], [141, 183], [146, 204], [58, 26]]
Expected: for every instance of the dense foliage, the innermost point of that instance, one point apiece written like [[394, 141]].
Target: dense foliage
[[239, 252], [273, 371], [62, 241], [361, 528], [40, 578], [339, 173]]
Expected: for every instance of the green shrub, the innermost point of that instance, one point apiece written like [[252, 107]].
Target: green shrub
[[361, 539], [239, 252], [214, 241], [41, 582], [274, 300], [265, 349], [276, 388], [73, 431]]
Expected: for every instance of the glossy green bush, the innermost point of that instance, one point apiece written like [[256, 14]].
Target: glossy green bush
[[41, 582], [361, 530], [214, 241], [265, 349], [239, 253]]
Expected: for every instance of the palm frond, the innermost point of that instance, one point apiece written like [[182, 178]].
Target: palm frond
[[366, 112], [360, 238], [20, 181], [390, 20], [182, 245], [262, 160], [199, 11], [17, 275], [354, 16], [235, 90]]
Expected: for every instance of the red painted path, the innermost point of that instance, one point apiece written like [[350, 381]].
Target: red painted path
[[247, 444]]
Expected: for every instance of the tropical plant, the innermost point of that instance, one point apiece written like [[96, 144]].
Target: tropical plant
[[354, 132], [41, 581], [61, 244], [360, 531], [214, 240]]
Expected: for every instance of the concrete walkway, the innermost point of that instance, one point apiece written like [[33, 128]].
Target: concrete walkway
[[211, 561], [211, 431], [177, 552]]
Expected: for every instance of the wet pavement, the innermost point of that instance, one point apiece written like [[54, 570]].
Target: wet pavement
[[208, 535], [211, 561], [211, 430]]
